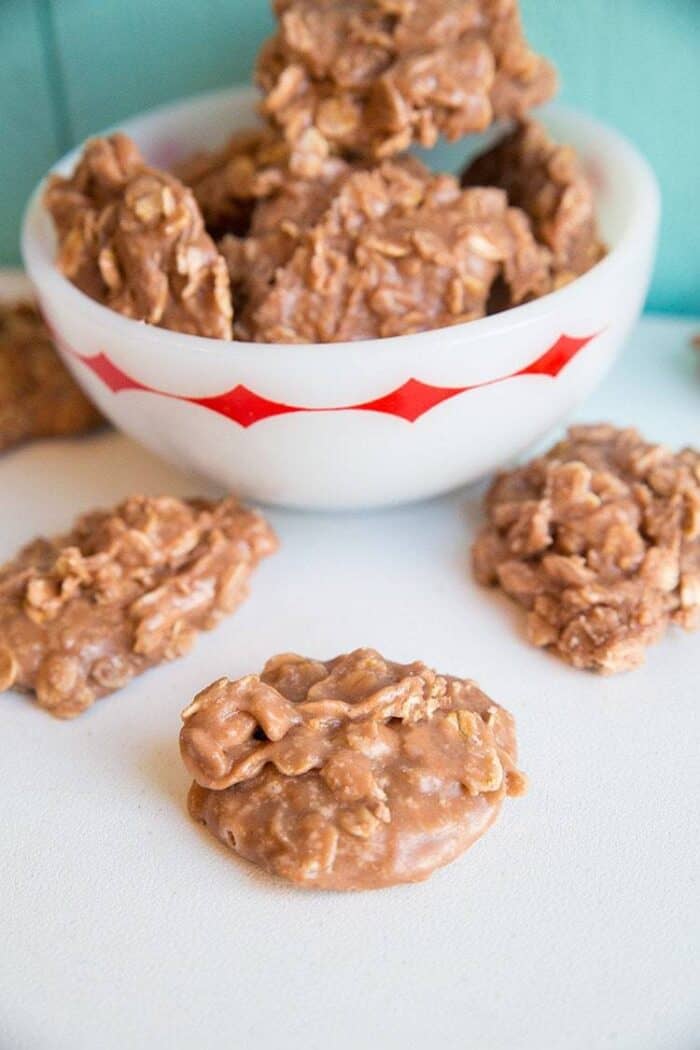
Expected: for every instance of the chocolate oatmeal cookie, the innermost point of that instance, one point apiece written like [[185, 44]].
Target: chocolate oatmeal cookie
[[599, 540], [355, 773], [38, 396], [83, 613], [363, 253], [133, 238], [548, 182], [373, 77], [227, 182], [276, 227]]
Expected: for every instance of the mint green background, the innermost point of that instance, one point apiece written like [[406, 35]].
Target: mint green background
[[70, 67]]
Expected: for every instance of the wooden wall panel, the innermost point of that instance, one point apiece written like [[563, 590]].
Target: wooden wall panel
[[28, 142], [120, 58], [636, 65]]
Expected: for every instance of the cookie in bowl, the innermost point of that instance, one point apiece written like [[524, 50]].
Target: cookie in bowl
[[132, 237], [548, 181], [396, 250], [373, 77]]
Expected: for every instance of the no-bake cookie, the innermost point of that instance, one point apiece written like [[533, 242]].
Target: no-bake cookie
[[38, 396], [599, 540], [373, 77], [362, 253], [318, 226], [227, 182], [355, 773], [548, 182], [133, 238], [83, 613]]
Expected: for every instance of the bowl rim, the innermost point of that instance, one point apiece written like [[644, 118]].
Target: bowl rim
[[41, 268]]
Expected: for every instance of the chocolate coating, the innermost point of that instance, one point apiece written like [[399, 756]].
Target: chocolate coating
[[357, 773]]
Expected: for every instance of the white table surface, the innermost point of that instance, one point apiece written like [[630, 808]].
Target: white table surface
[[574, 924]]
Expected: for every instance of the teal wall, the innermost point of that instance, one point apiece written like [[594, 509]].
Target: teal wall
[[70, 67]]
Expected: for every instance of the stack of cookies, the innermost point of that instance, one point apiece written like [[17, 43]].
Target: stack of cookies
[[319, 226]]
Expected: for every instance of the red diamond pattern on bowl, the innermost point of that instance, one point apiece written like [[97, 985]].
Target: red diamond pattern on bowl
[[409, 401]]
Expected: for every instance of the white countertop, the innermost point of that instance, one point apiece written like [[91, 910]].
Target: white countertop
[[574, 924]]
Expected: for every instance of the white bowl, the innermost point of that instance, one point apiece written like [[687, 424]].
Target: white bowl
[[366, 424]]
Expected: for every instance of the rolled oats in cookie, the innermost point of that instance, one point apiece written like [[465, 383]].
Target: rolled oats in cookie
[[227, 182], [83, 613], [381, 251], [548, 182], [373, 77], [38, 396], [133, 238], [353, 773], [599, 539], [277, 223]]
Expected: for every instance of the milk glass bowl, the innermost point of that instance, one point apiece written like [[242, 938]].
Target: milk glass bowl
[[364, 424]]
